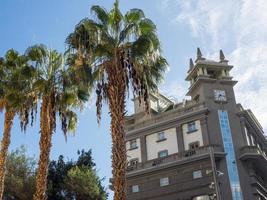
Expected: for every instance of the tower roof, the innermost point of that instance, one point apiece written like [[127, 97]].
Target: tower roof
[[209, 64]]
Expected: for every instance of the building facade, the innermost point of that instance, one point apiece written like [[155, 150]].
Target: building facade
[[208, 147]]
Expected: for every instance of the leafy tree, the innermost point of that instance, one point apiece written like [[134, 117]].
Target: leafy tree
[[83, 183], [20, 177], [122, 52], [64, 179], [16, 97], [57, 172]]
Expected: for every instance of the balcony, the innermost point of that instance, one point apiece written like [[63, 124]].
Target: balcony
[[252, 152], [178, 158]]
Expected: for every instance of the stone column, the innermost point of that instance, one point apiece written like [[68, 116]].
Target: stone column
[[205, 131], [243, 126], [143, 148], [180, 138]]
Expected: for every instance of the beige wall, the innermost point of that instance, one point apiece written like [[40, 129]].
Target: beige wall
[[192, 137], [134, 153], [170, 144]]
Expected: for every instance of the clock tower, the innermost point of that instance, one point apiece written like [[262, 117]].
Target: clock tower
[[210, 81], [212, 85]]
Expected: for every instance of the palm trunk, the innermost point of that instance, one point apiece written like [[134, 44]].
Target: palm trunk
[[116, 97], [9, 116], [45, 146]]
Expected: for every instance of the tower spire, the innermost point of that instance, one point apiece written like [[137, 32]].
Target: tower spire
[[199, 55], [222, 57]]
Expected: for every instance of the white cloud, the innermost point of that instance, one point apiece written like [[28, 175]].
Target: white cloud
[[172, 89], [240, 27]]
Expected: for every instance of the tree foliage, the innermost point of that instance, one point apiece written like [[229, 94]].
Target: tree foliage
[[83, 183], [65, 178], [20, 176]]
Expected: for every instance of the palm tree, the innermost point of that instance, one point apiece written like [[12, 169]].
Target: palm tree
[[58, 95], [15, 98], [122, 52]]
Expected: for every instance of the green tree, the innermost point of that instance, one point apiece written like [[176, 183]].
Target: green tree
[[16, 97], [64, 179], [83, 183], [20, 175], [122, 52], [58, 96]]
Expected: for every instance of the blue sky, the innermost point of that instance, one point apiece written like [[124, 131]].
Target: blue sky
[[236, 26]]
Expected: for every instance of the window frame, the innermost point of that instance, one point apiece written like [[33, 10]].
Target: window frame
[[190, 130], [136, 190], [198, 177], [163, 151], [133, 147], [133, 162], [164, 181], [193, 143], [159, 138]]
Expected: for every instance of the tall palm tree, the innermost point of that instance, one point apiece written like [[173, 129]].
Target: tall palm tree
[[58, 95], [122, 52], [16, 98]]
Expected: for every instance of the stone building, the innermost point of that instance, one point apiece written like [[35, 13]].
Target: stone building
[[208, 147]]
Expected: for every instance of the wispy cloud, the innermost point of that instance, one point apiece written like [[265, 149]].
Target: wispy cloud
[[239, 27], [173, 89]]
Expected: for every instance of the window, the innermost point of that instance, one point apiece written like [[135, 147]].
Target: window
[[164, 181], [202, 197], [161, 136], [191, 127], [162, 154], [197, 174], [135, 188], [193, 145], [133, 144], [133, 162]]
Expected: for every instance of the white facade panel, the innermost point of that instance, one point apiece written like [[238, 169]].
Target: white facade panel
[[154, 146], [134, 153], [190, 137]]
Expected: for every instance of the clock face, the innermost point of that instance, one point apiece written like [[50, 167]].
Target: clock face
[[219, 95]]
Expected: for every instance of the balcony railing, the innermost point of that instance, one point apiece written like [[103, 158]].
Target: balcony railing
[[181, 156], [252, 152]]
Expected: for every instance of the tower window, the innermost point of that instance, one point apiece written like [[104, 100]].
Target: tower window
[[211, 73], [164, 181], [133, 144], [135, 188]]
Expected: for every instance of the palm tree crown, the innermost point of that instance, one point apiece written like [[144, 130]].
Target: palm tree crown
[[111, 40]]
